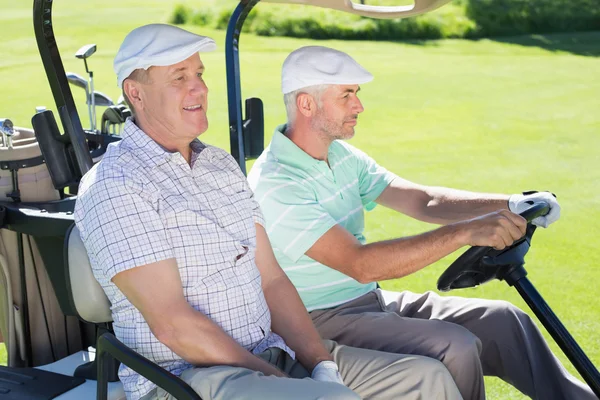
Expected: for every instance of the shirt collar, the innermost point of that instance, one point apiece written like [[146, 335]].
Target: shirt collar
[[137, 138], [287, 152]]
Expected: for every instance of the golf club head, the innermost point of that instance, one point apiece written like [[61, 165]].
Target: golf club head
[[77, 80], [113, 116], [124, 111], [102, 100], [121, 100], [116, 114], [86, 51], [6, 127]]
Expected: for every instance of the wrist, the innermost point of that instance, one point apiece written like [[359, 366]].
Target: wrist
[[256, 363], [318, 360], [460, 234]]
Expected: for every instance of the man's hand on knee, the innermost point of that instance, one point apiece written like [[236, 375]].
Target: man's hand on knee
[[327, 371]]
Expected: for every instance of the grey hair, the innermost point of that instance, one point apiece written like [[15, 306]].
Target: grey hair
[[289, 99]]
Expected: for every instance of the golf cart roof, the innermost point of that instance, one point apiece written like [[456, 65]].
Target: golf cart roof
[[373, 11]]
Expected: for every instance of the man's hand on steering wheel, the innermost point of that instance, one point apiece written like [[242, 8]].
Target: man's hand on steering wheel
[[482, 263], [499, 229], [517, 203]]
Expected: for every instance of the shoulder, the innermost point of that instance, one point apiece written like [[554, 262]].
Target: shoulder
[[223, 160], [120, 167], [269, 176], [116, 181]]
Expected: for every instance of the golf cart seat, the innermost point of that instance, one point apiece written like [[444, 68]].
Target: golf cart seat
[[90, 304]]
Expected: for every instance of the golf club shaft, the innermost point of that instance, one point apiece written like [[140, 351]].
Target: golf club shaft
[[560, 334], [89, 104], [92, 100]]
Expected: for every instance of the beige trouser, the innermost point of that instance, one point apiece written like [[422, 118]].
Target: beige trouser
[[472, 337], [367, 374]]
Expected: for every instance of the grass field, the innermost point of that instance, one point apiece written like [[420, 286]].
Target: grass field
[[501, 116]]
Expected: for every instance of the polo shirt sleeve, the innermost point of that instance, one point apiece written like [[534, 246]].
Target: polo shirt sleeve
[[121, 229], [295, 219], [372, 178]]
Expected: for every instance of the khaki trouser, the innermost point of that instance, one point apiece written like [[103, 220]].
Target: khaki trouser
[[472, 337], [367, 374]]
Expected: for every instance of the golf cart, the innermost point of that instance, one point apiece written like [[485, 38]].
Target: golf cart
[[54, 316]]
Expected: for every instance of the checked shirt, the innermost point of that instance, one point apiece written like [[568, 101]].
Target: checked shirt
[[142, 204]]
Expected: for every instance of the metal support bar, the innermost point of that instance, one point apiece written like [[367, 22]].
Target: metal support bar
[[44, 33], [560, 334], [234, 90], [28, 361], [109, 347]]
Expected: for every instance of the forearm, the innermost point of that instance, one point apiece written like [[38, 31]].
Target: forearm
[[451, 205], [439, 205], [199, 341], [396, 258], [291, 321]]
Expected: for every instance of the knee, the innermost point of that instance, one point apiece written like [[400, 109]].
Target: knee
[[461, 343], [435, 374], [503, 313], [339, 393], [432, 367]]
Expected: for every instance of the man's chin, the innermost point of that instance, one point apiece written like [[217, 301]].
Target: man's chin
[[348, 135], [198, 128]]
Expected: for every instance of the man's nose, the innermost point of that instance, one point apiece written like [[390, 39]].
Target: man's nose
[[357, 106], [198, 86]]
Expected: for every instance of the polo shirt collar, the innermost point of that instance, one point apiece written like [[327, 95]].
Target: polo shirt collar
[[287, 152]]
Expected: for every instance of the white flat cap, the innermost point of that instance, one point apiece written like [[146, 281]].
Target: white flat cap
[[157, 45], [318, 65]]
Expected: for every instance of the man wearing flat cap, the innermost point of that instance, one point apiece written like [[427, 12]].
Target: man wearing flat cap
[[176, 239], [313, 188]]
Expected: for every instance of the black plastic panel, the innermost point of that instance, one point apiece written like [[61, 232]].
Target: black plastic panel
[[34, 384]]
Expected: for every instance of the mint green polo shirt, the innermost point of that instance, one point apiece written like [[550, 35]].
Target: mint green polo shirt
[[302, 198]]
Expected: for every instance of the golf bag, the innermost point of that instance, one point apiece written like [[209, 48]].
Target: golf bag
[[47, 334]]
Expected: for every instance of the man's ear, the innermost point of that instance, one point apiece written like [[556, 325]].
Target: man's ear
[[133, 92], [306, 104]]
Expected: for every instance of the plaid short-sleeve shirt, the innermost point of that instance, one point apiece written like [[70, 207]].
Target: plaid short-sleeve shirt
[[142, 204]]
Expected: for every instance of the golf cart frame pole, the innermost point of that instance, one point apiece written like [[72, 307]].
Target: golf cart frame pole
[[559, 333], [44, 34], [234, 89]]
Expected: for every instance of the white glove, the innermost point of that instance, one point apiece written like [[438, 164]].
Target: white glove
[[518, 203], [327, 371]]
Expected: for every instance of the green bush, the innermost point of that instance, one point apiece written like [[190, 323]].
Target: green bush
[[185, 15], [202, 17], [513, 17], [180, 15]]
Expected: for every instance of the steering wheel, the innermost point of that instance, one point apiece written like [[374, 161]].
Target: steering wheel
[[481, 264]]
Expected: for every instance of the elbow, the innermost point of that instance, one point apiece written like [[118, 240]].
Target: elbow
[[166, 333], [360, 271], [170, 329], [363, 279]]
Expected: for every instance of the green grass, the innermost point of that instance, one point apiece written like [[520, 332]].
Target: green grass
[[486, 115]]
